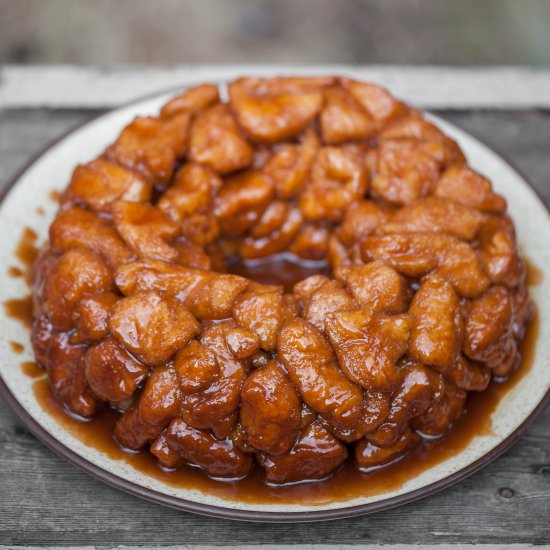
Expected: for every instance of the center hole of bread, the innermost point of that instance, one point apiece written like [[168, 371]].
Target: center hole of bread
[[278, 269]]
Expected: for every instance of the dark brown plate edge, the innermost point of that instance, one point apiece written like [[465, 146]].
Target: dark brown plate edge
[[232, 513]]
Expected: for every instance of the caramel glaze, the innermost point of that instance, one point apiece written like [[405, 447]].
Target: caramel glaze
[[348, 483]]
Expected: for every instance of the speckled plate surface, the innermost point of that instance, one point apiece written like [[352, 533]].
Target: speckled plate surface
[[51, 170]]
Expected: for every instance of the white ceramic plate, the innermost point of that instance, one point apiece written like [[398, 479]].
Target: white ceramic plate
[[51, 171]]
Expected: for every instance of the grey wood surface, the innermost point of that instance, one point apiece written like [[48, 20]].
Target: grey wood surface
[[45, 501], [430, 87]]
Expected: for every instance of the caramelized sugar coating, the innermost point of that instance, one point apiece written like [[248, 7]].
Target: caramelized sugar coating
[[262, 309], [469, 188], [277, 241], [313, 368], [273, 110], [371, 457], [217, 142], [242, 201], [414, 126], [378, 103], [66, 372], [152, 327], [112, 373], [322, 296], [420, 388], [189, 203], [368, 347], [375, 286], [342, 119], [488, 329], [191, 101], [219, 458], [418, 254], [150, 146], [337, 180], [436, 214], [91, 316], [407, 169], [74, 275], [157, 404], [437, 419], [98, 184], [416, 293], [362, 219], [78, 228], [436, 324], [270, 410], [498, 252], [468, 375], [289, 165], [215, 405], [315, 455], [146, 230]]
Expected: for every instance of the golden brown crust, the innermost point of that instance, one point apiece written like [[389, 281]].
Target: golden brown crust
[[420, 297]]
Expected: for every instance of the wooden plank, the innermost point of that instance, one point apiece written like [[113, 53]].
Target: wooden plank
[[45, 501], [426, 86], [297, 547]]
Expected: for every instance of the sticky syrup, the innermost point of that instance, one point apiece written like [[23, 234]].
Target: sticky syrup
[[282, 269], [348, 483], [16, 347]]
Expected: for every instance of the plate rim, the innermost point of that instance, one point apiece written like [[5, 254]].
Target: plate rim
[[152, 495]]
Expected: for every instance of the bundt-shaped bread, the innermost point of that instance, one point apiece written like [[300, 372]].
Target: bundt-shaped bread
[[419, 298]]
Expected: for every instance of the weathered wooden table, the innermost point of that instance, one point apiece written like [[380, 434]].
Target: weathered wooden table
[[45, 501]]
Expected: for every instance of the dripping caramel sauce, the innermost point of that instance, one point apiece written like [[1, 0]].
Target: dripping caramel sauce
[[26, 252], [27, 249], [347, 484]]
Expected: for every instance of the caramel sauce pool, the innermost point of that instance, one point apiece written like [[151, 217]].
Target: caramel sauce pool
[[348, 483], [20, 309], [282, 269], [16, 347], [32, 369]]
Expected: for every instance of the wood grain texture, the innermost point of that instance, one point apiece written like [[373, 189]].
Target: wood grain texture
[[45, 501], [443, 546]]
